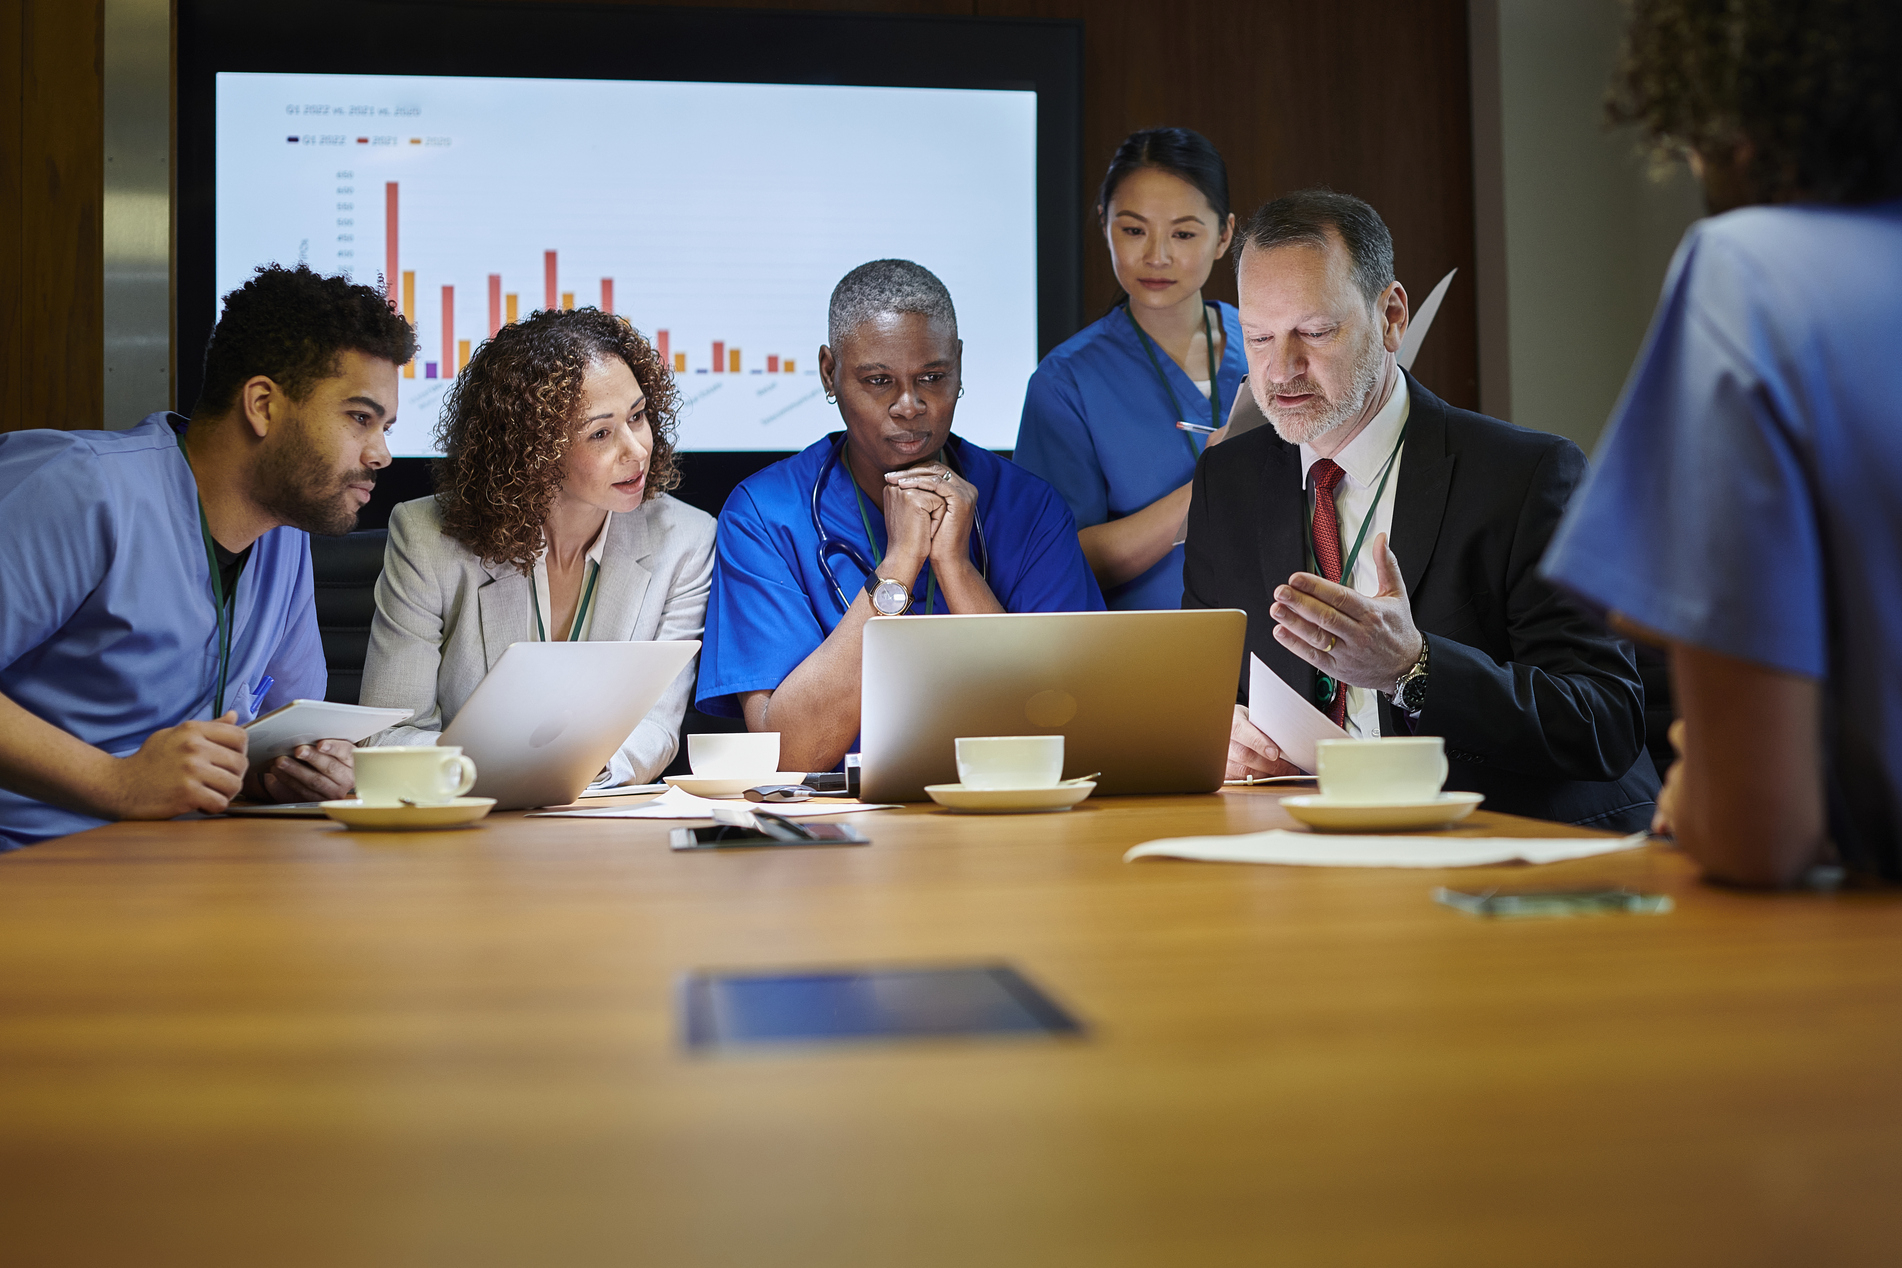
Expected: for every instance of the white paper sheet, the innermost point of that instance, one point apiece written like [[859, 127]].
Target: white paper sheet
[[617, 790], [1284, 717], [1327, 849], [675, 804]]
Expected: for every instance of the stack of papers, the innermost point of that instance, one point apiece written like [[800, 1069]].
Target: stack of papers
[[675, 804], [1314, 849]]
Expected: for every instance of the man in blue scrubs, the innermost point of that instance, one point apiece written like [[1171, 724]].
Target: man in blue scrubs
[[155, 578], [914, 520]]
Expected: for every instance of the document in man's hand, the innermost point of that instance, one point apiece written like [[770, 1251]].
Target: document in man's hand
[[1284, 717], [307, 721]]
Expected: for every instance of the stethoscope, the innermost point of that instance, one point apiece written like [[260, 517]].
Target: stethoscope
[[830, 545]]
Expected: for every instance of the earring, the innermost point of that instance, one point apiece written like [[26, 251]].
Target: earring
[[960, 392], [831, 399]]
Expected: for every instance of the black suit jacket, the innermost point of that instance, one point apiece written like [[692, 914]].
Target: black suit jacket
[[1541, 709]]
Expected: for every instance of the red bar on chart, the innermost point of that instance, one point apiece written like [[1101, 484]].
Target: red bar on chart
[[733, 361], [448, 331], [389, 242], [660, 345], [495, 303], [548, 278], [607, 294], [772, 363], [719, 356]]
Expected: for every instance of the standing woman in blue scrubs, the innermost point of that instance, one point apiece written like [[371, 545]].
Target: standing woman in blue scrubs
[[1101, 411], [894, 515]]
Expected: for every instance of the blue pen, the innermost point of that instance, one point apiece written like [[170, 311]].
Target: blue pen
[[257, 697]]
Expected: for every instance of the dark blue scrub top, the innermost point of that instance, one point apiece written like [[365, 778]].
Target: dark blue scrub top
[[1098, 425], [772, 605]]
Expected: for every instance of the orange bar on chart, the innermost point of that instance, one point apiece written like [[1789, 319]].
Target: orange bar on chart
[[448, 331], [567, 301], [495, 303], [511, 306], [660, 345], [786, 366], [772, 364], [607, 294], [409, 315], [389, 242], [462, 355], [680, 363], [733, 361], [548, 278], [719, 356]]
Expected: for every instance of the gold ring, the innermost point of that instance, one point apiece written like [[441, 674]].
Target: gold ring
[[1331, 640]]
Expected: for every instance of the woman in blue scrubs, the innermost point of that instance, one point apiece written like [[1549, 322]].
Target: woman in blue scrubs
[[894, 515], [1101, 411]]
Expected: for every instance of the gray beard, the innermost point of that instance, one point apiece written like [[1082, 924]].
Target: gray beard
[[1366, 381]]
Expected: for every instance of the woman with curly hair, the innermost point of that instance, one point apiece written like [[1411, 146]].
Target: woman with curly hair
[[551, 522], [1744, 506]]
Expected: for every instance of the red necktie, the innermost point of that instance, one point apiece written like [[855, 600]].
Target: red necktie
[[1327, 554]]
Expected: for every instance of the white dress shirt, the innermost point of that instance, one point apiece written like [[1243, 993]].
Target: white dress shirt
[[1360, 463], [544, 605]]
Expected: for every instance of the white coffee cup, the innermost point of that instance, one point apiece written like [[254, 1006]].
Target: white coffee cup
[[427, 774], [734, 755], [1010, 761], [1396, 769]]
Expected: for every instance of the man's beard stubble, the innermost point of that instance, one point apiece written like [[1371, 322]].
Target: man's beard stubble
[[296, 485], [1306, 428]]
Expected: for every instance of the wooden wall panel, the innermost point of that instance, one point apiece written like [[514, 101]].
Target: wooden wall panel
[[51, 330]]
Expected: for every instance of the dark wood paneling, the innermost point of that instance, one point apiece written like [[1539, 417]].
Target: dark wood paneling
[[52, 182]]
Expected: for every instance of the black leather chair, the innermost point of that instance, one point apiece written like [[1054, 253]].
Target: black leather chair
[[1654, 670], [344, 571]]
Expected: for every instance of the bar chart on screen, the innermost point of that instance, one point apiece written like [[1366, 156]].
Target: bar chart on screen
[[704, 214]]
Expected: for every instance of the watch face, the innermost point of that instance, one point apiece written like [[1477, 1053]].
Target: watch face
[[890, 598], [1413, 694]]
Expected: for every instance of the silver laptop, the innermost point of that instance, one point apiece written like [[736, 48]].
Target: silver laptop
[[549, 715], [1144, 697]]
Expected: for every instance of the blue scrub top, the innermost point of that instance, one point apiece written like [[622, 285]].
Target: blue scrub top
[[1099, 426], [772, 604], [1744, 498], [108, 628]]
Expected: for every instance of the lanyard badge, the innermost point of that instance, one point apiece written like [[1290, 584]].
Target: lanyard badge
[[1215, 387]]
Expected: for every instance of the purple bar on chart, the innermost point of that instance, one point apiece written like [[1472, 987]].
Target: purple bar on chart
[[429, 369]]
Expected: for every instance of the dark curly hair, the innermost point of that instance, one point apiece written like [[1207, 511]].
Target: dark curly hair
[[510, 416], [292, 325], [1804, 92]]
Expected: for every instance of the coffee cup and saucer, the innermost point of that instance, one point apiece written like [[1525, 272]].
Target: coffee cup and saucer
[[727, 764], [1010, 774], [1384, 785], [405, 788]]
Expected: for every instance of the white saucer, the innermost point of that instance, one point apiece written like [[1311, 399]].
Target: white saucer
[[455, 813], [731, 785], [1007, 801], [1333, 815]]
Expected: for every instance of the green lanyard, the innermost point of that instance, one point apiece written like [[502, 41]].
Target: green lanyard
[[581, 613], [1215, 388], [1324, 686], [931, 582], [225, 605]]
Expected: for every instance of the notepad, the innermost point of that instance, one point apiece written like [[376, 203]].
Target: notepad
[[1326, 849], [308, 721], [1279, 712]]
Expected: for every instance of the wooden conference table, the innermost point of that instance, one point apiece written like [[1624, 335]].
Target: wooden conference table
[[282, 1043]]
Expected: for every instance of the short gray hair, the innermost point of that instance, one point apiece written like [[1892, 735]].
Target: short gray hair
[[887, 286], [1306, 215]]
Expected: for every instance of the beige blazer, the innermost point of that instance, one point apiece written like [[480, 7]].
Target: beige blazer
[[444, 617]]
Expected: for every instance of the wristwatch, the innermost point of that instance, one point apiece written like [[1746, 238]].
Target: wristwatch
[[889, 598], [1409, 692]]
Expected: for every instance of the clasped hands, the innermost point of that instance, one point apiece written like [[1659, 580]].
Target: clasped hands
[[1366, 641], [929, 510], [201, 766]]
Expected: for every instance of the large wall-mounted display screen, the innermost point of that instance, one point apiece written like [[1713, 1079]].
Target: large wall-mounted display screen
[[717, 217]]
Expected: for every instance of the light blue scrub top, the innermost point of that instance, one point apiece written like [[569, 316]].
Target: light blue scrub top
[[108, 628], [1747, 497], [772, 605], [1098, 425]]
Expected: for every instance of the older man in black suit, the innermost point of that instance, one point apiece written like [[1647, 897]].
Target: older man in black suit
[[1385, 544]]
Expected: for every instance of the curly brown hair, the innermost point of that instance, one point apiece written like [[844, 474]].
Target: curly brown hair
[[1803, 91], [511, 414]]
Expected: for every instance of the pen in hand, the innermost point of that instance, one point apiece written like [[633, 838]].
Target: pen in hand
[[1198, 428], [257, 697]]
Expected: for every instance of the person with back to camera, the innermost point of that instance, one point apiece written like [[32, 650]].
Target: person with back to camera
[[893, 515], [1100, 413], [551, 523], [1448, 632], [155, 583], [1744, 509]]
